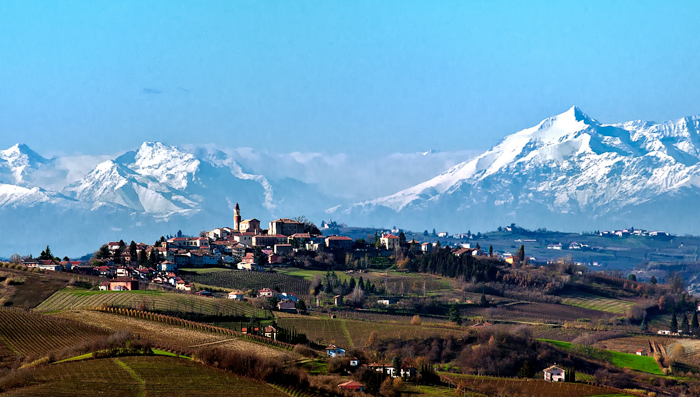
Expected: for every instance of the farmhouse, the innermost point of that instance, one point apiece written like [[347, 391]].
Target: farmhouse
[[236, 295], [287, 306], [554, 374], [352, 385], [267, 293], [123, 284], [389, 241], [250, 262], [342, 242], [335, 351], [271, 332]]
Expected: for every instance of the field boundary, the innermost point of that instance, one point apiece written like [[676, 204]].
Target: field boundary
[[142, 383]]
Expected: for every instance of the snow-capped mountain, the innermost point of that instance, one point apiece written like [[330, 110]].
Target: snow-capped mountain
[[567, 172], [142, 194]]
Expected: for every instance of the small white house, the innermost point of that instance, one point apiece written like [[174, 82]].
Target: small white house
[[554, 374], [236, 295]]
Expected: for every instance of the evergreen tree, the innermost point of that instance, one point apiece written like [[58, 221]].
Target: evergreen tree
[[694, 326], [454, 315], [352, 283], [674, 322], [632, 277], [652, 280], [483, 301], [46, 255], [526, 371], [154, 257], [685, 327], [521, 253], [103, 252], [143, 258], [396, 363], [132, 250], [478, 246], [361, 284], [425, 233], [434, 233], [490, 250], [301, 306], [402, 239]]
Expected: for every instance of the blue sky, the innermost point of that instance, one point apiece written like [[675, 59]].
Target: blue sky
[[354, 76]]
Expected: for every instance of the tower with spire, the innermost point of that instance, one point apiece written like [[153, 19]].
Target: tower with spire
[[236, 217]]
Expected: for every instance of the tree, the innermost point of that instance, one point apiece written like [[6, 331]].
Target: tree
[[521, 253], [526, 371], [132, 250], [694, 326], [685, 327], [308, 226], [490, 250], [454, 315], [402, 239], [674, 322], [154, 257], [179, 233], [652, 280], [425, 233], [143, 258], [46, 255], [434, 233], [15, 258], [482, 301], [632, 277], [301, 306], [103, 252]]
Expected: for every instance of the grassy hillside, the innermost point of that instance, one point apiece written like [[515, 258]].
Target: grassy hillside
[[618, 359]]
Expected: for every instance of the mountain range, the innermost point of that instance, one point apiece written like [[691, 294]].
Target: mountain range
[[569, 172], [142, 194]]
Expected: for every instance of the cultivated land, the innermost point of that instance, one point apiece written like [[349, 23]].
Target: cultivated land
[[156, 301], [552, 304], [30, 334], [137, 376]]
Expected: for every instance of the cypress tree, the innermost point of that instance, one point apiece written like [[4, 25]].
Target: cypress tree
[[674, 322], [685, 327], [694, 325]]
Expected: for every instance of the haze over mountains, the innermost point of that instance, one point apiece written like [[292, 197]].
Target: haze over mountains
[[569, 172]]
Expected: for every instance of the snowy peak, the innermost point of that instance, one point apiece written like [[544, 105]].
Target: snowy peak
[[167, 164], [17, 162], [568, 163]]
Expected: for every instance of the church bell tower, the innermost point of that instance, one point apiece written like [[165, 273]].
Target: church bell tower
[[236, 217]]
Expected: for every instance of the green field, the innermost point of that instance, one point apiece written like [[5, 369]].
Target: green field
[[136, 376], [618, 359], [146, 300], [595, 302]]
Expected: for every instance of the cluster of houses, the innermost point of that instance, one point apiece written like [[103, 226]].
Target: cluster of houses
[[406, 371], [632, 232]]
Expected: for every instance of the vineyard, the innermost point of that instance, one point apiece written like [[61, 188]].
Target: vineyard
[[594, 302], [245, 280], [131, 376], [29, 333], [352, 333], [148, 300], [527, 387]]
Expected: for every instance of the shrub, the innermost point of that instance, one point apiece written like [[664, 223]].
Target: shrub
[[415, 320]]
